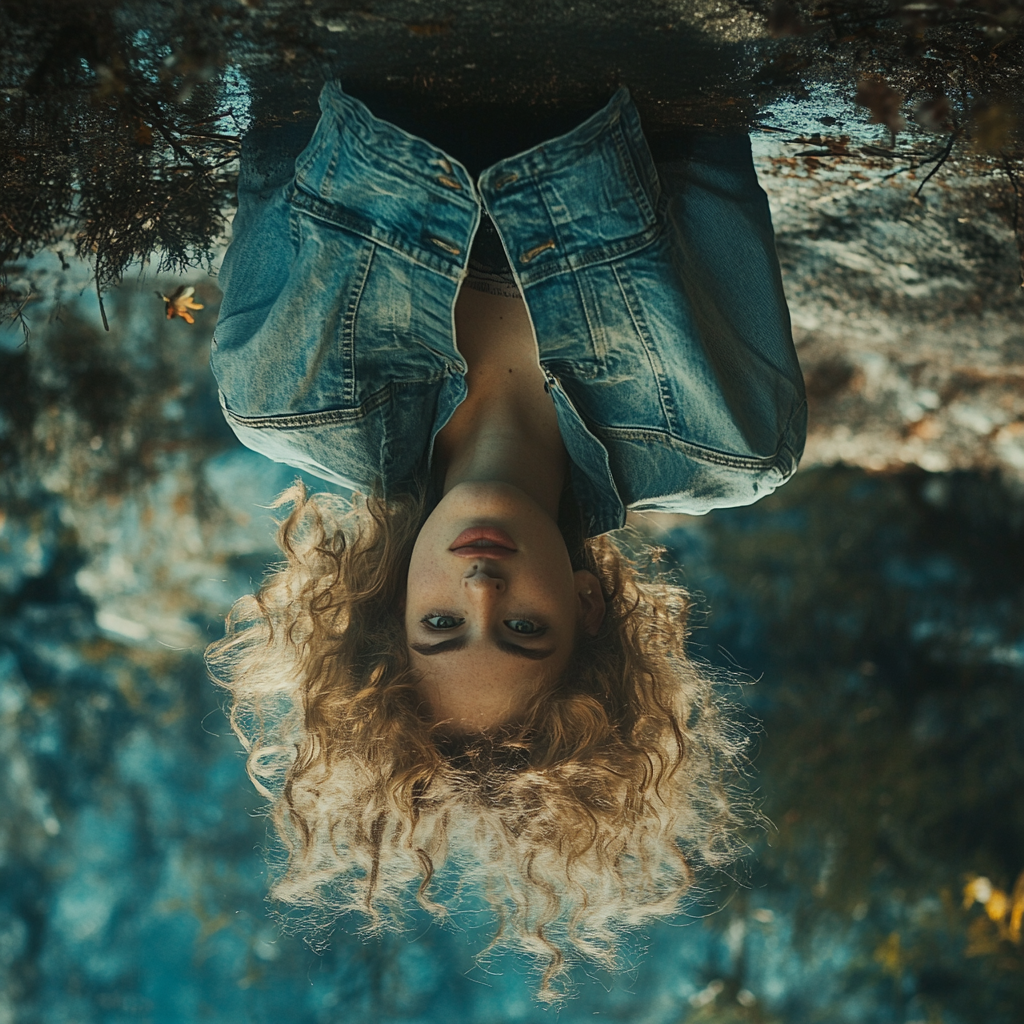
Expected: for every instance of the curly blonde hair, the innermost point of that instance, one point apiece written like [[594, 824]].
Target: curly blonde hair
[[594, 813]]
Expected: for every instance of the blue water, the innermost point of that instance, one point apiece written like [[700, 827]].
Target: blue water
[[878, 621]]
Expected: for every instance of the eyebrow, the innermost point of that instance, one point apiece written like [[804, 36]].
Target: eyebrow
[[459, 644]]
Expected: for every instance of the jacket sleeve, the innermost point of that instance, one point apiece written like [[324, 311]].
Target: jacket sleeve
[[256, 277], [312, 351], [254, 271], [723, 250]]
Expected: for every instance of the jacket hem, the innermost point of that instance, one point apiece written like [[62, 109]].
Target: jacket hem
[[699, 453], [323, 417]]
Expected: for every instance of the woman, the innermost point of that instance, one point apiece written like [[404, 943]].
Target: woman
[[462, 669]]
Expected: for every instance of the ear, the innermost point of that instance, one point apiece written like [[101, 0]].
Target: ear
[[589, 601]]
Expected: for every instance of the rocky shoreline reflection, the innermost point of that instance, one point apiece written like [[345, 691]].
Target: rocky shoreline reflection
[[880, 613], [868, 618]]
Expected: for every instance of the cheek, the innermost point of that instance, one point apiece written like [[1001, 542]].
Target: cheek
[[424, 584], [555, 576]]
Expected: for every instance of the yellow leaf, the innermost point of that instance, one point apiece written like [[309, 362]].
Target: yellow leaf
[[1017, 908], [997, 905], [179, 302], [977, 890]]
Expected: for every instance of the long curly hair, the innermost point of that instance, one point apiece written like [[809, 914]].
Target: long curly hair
[[595, 812]]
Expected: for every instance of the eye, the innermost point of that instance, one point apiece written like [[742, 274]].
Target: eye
[[525, 627], [441, 620]]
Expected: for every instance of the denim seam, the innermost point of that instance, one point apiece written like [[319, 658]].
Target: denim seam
[[309, 157], [426, 182], [593, 257], [695, 451], [343, 220], [624, 150], [364, 127], [653, 357], [787, 435], [349, 119], [349, 328], [599, 351], [327, 417], [294, 228]]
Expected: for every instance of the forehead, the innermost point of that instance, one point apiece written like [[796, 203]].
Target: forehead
[[483, 686], [472, 695], [483, 662]]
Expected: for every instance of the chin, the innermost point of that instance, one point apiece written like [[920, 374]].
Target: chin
[[486, 495]]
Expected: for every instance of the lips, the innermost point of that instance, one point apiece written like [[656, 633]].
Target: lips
[[483, 542]]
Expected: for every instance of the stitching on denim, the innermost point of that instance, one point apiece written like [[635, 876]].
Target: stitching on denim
[[624, 152], [599, 350], [695, 451], [646, 168], [593, 257], [374, 163], [598, 359], [639, 196], [294, 225], [653, 357], [367, 130], [328, 417], [305, 160], [348, 329], [344, 220]]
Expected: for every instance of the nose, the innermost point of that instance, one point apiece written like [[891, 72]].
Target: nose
[[479, 584]]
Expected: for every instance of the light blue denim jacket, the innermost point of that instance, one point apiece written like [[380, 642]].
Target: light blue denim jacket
[[654, 293]]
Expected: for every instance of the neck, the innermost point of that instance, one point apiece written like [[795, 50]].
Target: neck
[[506, 430]]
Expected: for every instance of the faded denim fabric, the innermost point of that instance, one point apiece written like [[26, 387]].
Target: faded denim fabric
[[654, 293]]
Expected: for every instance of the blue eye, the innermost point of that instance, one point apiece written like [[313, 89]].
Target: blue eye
[[524, 626], [441, 621]]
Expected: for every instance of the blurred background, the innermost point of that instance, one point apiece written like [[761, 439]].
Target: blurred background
[[872, 611]]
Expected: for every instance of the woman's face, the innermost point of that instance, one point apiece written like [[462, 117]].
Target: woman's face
[[492, 605]]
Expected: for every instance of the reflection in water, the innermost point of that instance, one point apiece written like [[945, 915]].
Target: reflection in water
[[577, 817], [882, 616], [464, 671]]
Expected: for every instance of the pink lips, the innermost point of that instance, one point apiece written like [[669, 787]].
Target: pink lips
[[483, 542]]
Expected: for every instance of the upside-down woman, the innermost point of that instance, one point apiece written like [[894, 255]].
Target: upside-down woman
[[463, 670]]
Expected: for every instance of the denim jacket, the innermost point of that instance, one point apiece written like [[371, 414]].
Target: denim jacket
[[654, 293]]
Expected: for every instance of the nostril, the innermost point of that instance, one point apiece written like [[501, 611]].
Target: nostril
[[480, 579]]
